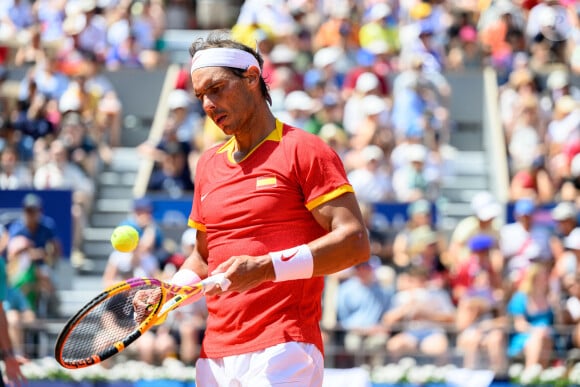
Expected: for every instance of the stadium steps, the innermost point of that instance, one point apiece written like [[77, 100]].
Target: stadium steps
[[470, 175]]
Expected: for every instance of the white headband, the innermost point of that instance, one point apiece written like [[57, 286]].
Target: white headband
[[223, 57]]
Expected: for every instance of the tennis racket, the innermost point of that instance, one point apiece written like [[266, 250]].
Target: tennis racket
[[118, 316]]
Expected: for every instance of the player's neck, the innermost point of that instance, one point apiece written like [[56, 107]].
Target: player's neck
[[260, 128]]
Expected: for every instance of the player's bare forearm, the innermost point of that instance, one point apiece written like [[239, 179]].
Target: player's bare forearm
[[347, 242], [197, 261], [196, 264]]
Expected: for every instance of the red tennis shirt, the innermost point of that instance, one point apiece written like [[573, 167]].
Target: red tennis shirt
[[255, 206]]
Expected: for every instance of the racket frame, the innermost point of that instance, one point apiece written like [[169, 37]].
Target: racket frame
[[158, 312]]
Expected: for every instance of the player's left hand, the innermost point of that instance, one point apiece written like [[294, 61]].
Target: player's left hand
[[245, 272]]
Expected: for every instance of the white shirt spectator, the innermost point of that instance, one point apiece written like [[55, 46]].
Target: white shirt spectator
[[371, 182], [12, 174], [59, 173], [565, 129]]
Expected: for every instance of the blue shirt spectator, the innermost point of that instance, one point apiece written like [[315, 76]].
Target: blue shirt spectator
[[362, 300]]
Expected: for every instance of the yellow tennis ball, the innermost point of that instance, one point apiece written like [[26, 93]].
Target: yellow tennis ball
[[125, 239]]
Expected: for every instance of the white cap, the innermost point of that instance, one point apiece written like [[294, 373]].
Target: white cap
[[326, 56], [558, 79], [563, 211], [366, 82], [74, 23], [69, 101], [178, 98], [416, 153], [298, 100], [282, 53], [572, 241], [379, 11], [378, 47], [372, 152], [485, 206], [373, 104]]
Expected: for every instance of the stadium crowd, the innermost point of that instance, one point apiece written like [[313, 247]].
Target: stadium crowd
[[368, 77]]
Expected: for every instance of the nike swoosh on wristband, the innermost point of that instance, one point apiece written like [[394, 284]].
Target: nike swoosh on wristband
[[284, 258]]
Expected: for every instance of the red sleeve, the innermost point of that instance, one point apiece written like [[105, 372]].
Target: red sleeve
[[320, 172]]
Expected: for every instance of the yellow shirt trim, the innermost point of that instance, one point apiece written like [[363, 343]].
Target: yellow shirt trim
[[230, 145], [329, 196], [196, 225]]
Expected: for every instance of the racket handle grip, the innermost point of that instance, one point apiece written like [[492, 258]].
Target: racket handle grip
[[217, 279]]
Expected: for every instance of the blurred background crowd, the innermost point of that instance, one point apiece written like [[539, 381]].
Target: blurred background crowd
[[370, 77]]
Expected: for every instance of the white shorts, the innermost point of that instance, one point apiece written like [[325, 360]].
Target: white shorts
[[286, 364]]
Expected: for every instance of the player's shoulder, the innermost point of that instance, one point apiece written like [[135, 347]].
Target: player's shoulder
[[292, 135]]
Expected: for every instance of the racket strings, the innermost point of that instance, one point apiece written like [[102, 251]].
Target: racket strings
[[109, 322]]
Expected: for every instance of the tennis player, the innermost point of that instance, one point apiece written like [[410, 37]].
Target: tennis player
[[274, 211]]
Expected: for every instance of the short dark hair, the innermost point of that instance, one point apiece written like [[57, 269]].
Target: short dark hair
[[221, 39]]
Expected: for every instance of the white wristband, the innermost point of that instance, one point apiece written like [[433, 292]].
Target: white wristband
[[292, 264], [185, 277]]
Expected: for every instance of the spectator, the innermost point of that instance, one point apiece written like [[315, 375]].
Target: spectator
[[366, 84], [410, 181], [520, 241], [379, 26], [13, 174], [127, 54], [424, 251], [418, 314], [569, 262], [32, 53], [50, 14], [339, 30], [32, 118], [563, 128], [361, 303], [480, 315], [533, 182], [24, 286], [185, 119], [570, 181], [371, 181], [331, 112], [80, 147], [571, 312], [419, 214], [534, 316], [466, 274], [61, 173], [524, 133], [336, 137], [486, 210], [50, 81], [365, 64], [298, 109], [565, 215], [377, 227], [374, 128], [41, 246], [173, 175]]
